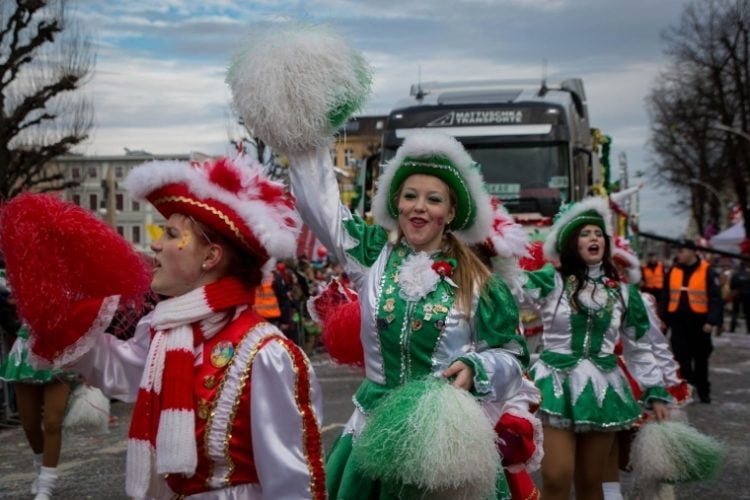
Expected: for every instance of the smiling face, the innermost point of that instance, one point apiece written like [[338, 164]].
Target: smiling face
[[179, 254], [424, 210], [591, 245]]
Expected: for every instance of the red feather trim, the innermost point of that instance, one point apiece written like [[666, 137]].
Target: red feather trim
[[536, 258], [225, 174]]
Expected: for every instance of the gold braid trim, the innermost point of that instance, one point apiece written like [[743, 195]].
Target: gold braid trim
[[221, 215]]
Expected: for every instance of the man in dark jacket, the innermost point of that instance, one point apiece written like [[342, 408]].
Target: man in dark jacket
[[691, 306]]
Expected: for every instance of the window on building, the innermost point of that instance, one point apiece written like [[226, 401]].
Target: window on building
[[335, 156], [77, 199], [136, 234], [91, 172], [119, 202], [136, 206], [75, 173], [379, 125], [119, 172], [93, 202], [121, 231]]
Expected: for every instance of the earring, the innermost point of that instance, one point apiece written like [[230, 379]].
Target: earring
[[203, 266]]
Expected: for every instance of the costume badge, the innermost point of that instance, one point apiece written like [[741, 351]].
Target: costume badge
[[439, 324], [209, 381], [416, 325], [203, 409], [390, 305], [221, 354], [390, 290]]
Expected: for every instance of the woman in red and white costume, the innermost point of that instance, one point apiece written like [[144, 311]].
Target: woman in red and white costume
[[226, 407]]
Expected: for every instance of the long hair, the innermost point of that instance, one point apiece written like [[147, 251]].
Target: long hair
[[572, 264]]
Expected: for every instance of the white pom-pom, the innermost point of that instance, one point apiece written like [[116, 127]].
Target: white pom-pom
[[88, 409], [295, 84]]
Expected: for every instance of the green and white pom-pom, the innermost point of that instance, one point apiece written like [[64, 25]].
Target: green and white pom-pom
[[433, 437], [296, 84], [674, 452]]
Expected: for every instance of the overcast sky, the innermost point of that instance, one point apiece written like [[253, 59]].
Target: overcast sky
[[159, 82]]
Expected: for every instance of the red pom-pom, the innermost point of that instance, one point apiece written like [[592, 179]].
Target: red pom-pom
[[341, 335], [536, 258], [331, 296], [63, 265], [225, 174]]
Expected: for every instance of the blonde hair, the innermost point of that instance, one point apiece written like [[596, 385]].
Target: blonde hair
[[470, 272]]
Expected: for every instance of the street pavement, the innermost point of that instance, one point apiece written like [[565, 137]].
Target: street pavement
[[92, 466]]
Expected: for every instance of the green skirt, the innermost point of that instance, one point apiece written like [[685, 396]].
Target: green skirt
[[585, 398], [16, 367], [345, 482]]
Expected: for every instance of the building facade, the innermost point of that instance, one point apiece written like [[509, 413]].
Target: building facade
[[357, 144], [98, 176]]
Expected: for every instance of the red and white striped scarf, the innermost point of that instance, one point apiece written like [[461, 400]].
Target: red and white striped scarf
[[161, 438]]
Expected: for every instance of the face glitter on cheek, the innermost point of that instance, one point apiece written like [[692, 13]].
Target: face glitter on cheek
[[185, 240], [440, 221]]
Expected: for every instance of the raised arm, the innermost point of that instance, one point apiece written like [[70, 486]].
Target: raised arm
[[354, 243]]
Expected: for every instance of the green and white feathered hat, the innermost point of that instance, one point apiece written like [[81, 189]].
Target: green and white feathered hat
[[444, 157], [593, 210]]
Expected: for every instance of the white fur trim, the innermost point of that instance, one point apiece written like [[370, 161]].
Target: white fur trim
[[633, 268], [434, 144], [266, 222], [287, 78], [601, 205]]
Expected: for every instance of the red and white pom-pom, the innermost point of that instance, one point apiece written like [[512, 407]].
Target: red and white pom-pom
[[68, 270], [624, 256], [341, 334], [508, 238], [536, 259]]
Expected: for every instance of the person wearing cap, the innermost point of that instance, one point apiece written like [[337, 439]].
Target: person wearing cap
[[226, 406], [585, 308], [691, 306], [430, 308]]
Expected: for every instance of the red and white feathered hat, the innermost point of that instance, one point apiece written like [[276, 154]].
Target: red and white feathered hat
[[624, 256], [507, 243], [232, 197]]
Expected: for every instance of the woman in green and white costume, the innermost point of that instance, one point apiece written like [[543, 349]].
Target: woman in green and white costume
[[42, 396], [584, 310], [429, 306]]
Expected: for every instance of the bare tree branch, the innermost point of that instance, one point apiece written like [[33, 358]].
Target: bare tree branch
[[47, 58]]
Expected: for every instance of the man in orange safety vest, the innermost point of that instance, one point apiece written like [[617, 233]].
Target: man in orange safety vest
[[691, 307]]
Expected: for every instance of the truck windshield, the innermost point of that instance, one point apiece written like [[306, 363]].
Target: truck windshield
[[528, 179]]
